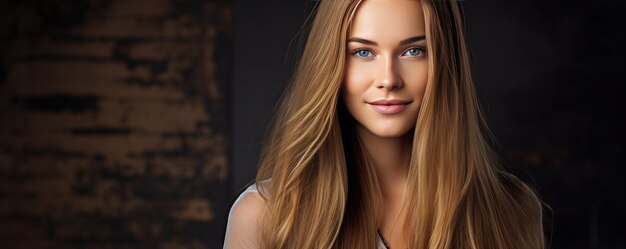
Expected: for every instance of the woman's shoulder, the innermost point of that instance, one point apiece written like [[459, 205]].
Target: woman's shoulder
[[242, 227], [249, 201], [246, 208], [249, 198], [251, 194]]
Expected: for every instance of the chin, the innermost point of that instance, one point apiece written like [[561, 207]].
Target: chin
[[395, 131]]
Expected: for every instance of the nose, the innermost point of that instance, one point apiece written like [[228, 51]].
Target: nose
[[388, 77]]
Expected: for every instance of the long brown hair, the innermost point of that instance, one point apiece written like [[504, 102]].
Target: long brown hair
[[324, 191]]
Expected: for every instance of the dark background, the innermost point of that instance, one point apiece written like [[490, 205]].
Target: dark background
[[135, 123], [550, 75]]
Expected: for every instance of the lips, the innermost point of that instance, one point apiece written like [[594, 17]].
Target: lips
[[390, 106]]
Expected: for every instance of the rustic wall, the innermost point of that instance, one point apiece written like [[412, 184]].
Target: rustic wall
[[113, 132]]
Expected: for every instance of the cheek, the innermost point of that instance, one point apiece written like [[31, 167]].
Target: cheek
[[416, 77], [356, 82]]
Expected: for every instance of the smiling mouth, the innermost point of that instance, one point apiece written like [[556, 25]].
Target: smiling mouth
[[389, 106]]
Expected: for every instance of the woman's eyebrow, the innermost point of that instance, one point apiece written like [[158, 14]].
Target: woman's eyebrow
[[403, 42], [412, 39]]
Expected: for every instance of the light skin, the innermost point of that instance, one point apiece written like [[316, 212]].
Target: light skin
[[387, 61]]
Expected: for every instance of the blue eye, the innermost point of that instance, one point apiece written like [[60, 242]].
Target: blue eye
[[363, 53], [414, 52]]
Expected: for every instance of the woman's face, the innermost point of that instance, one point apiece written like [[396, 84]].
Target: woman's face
[[387, 66]]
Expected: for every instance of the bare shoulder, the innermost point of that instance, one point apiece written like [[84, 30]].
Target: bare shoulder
[[249, 205], [243, 220]]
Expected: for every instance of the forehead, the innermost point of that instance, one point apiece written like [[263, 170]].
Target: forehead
[[379, 19]]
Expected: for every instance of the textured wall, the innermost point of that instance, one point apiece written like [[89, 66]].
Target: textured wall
[[113, 132]]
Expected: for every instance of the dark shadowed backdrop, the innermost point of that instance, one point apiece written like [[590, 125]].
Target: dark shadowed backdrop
[[550, 75]]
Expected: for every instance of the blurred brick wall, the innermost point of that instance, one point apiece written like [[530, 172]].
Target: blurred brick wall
[[113, 128]]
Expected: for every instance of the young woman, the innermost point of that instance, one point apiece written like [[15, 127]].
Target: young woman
[[379, 142]]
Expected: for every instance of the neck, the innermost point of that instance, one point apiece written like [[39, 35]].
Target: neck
[[391, 157]]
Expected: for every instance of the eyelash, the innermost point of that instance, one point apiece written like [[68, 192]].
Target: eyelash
[[421, 49]]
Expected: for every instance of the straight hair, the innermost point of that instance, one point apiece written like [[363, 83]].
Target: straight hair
[[324, 191]]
